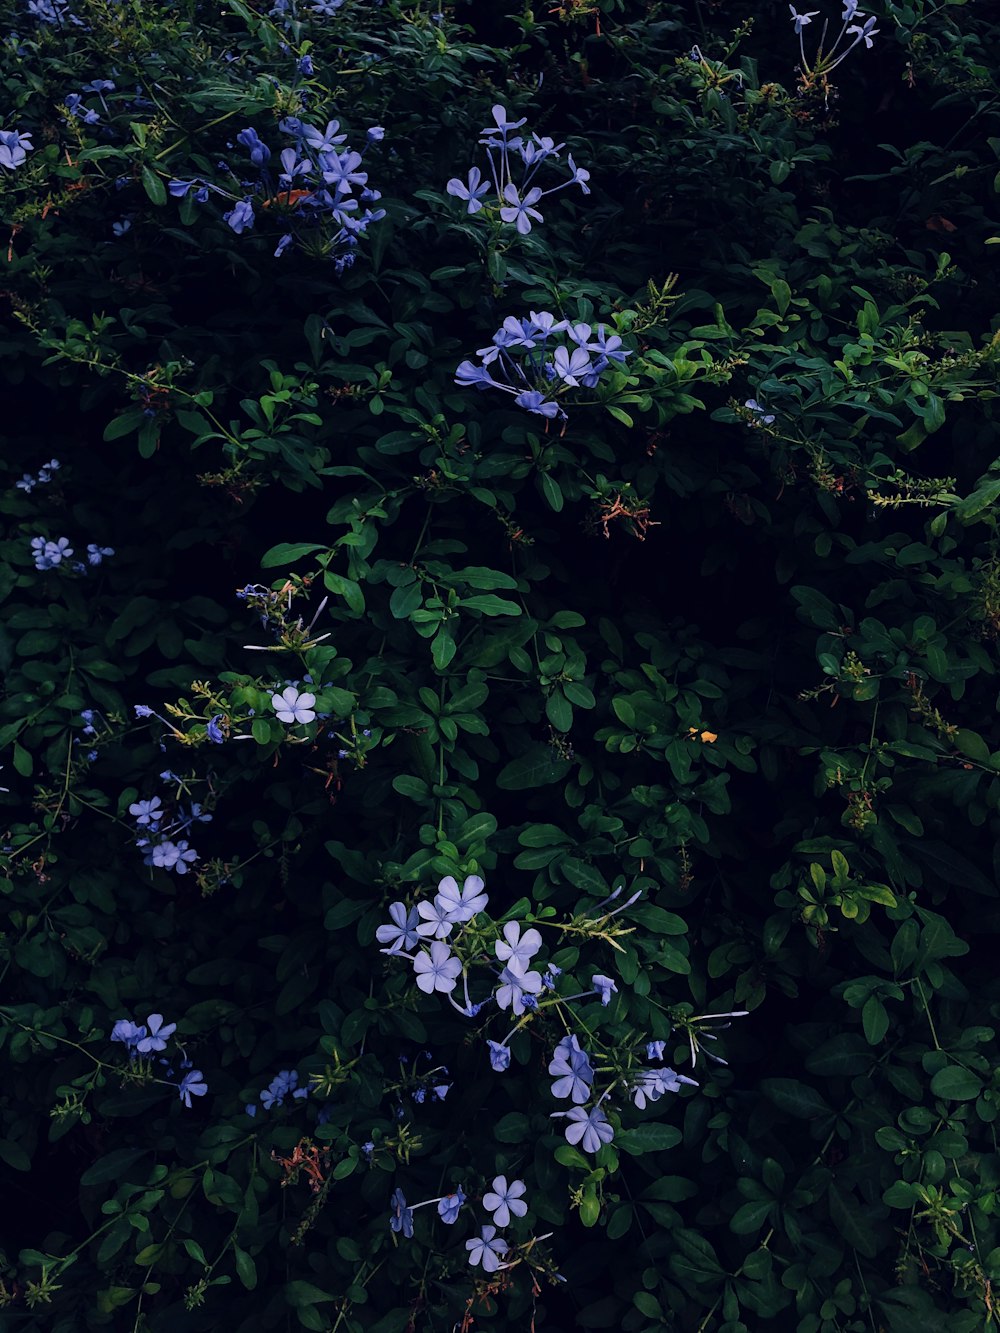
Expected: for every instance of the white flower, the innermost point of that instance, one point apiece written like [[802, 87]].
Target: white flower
[[518, 950], [291, 706]]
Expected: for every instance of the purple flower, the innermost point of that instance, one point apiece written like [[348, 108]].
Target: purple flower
[[449, 1206], [505, 1199], [534, 401], [436, 970], [569, 365], [521, 211], [158, 1034], [306, 67], [95, 553], [503, 125], [284, 1082], [240, 217], [146, 813], [865, 33], [463, 903], [14, 148], [571, 1068], [655, 1049], [177, 856], [468, 373], [282, 245], [580, 176], [514, 986], [401, 1217], [762, 416], [192, 1085], [402, 934], [499, 1056], [517, 950], [590, 1129], [472, 192], [604, 987], [487, 1248], [322, 141], [252, 142], [128, 1032], [437, 919], [800, 20], [214, 732]]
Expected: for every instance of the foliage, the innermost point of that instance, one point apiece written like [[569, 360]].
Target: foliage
[[657, 690]]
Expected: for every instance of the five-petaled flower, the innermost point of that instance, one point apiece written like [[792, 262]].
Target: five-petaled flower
[[515, 986], [437, 969], [473, 192], [590, 1129], [156, 1040], [504, 1199], [517, 949], [402, 933], [192, 1085], [800, 20], [487, 1249], [291, 706]]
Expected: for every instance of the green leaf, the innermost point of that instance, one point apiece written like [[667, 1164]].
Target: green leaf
[[750, 1217], [22, 760], [874, 1019], [154, 186], [651, 1137], [346, 588], [795, 1098], [956, 1084], [300, 1294], [551, 491], [535, 768], [287, 553], [246, 1269], [490, 605], [850, 1220], [512, 1128], [14, 1155], [112, 1166]]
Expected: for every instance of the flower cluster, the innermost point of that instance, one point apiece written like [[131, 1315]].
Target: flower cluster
[[284, 1084], [517, 201], [56, 12], [502, 1201], [44, 475], [863, 30], [143, 1041], [525, 989], [159, 843], [525, 359], [14, 148], [48, 554], [313, 191]]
